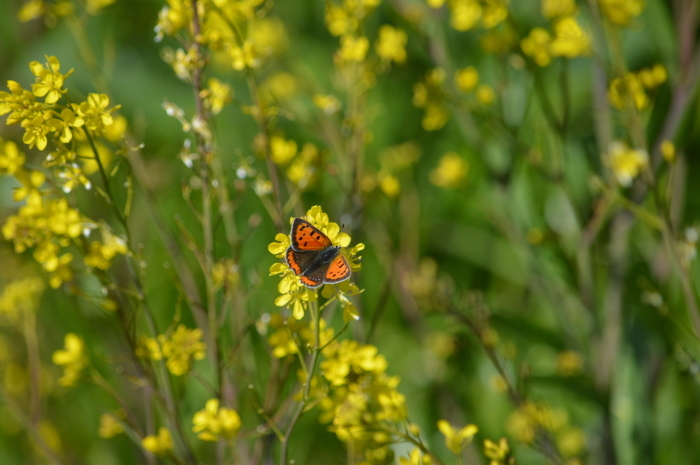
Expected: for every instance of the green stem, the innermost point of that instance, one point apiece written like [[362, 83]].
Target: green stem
[[316, 317]]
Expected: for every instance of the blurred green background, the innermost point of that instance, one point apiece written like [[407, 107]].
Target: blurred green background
[[512, 232]]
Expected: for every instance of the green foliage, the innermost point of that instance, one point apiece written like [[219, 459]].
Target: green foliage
[[509, 182]]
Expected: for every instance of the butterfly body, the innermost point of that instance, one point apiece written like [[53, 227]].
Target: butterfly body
[[313, 257]]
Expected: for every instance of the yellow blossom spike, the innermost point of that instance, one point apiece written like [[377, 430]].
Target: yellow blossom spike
[[456, 440]]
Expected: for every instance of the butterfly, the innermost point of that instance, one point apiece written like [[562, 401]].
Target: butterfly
[[313, 257]]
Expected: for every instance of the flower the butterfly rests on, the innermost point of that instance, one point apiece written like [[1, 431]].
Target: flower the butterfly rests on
[[315, 252]]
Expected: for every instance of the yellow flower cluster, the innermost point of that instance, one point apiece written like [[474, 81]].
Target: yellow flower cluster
[[558, 8], [34, 9], [20, 296], [416, 458], [569, 40], [160, 444], [302, 171], [531, 417], [216, 423], [626, 163], [451, 171], [466, 80], [467, 14], [429, 96], [41, 120], [45, 224], [498, 453], [178, 349], [72, 358], [236, 31], [393, 160], [456, 440], [216, 95], [621, 12], [391, 44], [282, 150], [110, 424], [294, 294], [48, 226], [283, 340], [362, 403], [100, 254], [633, 88]]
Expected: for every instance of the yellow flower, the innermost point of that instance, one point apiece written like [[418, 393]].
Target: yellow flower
[[161, 444], [21, 103], [485, 94], [225, 273], [268, 36], [499, 453], [328, 103], [348, 359], [36, 130], [339, 20], [280, 86], [11, 159], [464, 14], [95, 113], [558, 8], [20, 296], [216, 95], [450, 172], [467, 78], [72, 358], [215, 423], [100, 254], [49, 81], [94, 6], [110, 424], [353, 48], [569, 363], [282, 150], [62, 219], [627, 87], [390, 185], [537, 45], [60, 272], [31, 10], [668, 150], [72, 176], [435, 117], [244, 57], [626, 163], [632, 87], [390, 45], [570, 40], [416, 458], [571, 441], [181, 348], [493, 13], [621, 12], [456, 440]]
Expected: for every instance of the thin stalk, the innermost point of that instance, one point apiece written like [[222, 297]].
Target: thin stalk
[[316, 317], [207, 222]]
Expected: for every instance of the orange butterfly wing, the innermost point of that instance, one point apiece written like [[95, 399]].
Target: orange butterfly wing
[[311, 281], [307, 237], [292, 261], [338, 270]]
